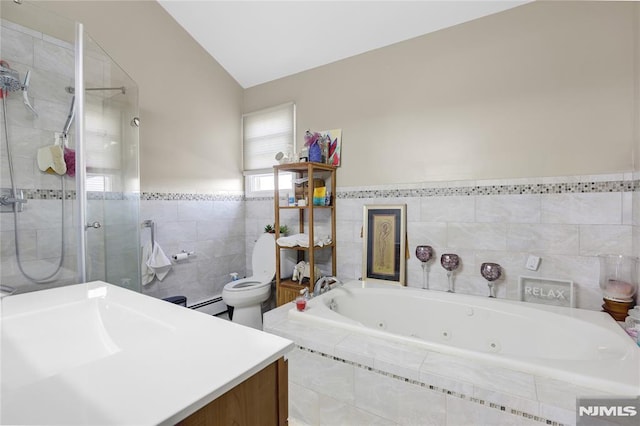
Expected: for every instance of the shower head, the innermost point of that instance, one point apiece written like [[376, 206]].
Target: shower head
[[10, 82], [9, 79]]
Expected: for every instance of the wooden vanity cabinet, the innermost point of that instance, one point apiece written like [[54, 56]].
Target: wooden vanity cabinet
[[261, 400]]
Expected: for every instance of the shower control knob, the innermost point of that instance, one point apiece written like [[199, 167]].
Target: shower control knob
[[94, 225]]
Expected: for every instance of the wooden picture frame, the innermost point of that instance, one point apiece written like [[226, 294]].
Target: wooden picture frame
[[384, 237]]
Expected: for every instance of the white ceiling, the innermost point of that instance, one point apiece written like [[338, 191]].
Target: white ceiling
[[260, 41]]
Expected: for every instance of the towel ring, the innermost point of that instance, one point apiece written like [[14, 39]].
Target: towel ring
[[150, 224]]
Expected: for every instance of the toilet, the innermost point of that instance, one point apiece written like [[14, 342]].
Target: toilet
[[247, 294]]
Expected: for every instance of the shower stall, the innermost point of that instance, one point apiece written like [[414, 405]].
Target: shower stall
[[69, 181]]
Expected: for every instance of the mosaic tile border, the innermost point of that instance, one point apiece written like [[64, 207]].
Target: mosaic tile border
[[533, 188], [473, 190], [176, 196], [56, 194], [475, 400], [48, 194]]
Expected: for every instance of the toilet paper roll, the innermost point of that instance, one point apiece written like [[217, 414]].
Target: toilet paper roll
[[180, 256]]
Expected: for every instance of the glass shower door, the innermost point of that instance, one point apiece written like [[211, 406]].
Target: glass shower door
[[111, 164]]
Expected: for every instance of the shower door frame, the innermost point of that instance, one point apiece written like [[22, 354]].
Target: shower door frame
[[81, 175]]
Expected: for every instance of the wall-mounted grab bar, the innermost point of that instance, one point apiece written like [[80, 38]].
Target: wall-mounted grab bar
[[150, 224]]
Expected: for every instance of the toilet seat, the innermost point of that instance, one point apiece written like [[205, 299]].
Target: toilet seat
[[245, 284]]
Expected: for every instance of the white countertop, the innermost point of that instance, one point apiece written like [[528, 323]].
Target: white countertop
[[98, 354]]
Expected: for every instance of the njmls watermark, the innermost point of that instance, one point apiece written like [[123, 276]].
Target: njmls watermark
[[608, 411]]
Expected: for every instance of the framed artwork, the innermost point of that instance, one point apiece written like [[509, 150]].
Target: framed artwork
[[384, 235], [335, 146]]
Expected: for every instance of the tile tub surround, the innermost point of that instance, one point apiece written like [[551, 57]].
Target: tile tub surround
[[567, 221], [340, 376]]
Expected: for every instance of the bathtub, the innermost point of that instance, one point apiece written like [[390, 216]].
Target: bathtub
[[585, 348]]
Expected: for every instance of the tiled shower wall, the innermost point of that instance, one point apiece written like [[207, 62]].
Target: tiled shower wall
[[567, 221], [51, 62]]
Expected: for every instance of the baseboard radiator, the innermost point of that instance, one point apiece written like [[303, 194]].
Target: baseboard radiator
[[212, 306]]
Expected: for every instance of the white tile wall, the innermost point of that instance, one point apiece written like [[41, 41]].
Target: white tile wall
[[567, 230], [214, 230]]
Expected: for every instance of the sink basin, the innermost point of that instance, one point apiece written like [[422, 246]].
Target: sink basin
[[99, 354], [45, 341]]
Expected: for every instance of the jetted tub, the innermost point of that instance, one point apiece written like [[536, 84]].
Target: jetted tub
[[582, 347]]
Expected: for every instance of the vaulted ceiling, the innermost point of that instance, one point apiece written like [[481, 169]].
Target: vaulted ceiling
[[260, 41]]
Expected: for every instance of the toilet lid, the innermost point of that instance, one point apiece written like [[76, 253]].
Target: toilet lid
[[263, 260]]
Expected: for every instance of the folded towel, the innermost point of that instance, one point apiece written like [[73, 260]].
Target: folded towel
[[147, 273], [154, 263], [302, 240]]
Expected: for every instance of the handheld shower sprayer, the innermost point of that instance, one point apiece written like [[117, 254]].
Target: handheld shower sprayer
[[25, 95], [70, 117]]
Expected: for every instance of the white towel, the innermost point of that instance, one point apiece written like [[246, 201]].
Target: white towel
[[302, 240], [147, 273], [154, 263]]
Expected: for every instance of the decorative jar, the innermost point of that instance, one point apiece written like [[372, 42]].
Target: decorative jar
[[618, 277]]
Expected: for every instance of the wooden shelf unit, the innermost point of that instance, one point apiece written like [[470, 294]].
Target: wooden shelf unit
[[287, 290]]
